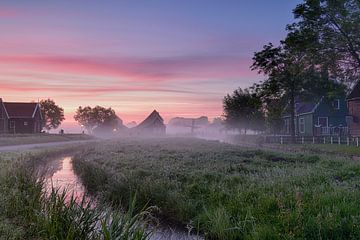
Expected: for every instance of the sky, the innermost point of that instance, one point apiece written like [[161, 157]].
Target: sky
[[178, 57]]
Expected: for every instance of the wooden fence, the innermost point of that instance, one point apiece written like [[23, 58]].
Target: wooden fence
[[340, 140]]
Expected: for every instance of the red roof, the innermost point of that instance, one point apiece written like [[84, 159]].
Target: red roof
[[20, 110]]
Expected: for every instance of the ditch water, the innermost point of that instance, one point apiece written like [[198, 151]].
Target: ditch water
[[61, 175]]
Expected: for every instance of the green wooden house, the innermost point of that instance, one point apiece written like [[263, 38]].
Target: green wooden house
[[318, 118]]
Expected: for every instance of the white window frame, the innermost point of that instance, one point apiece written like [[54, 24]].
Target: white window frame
[[327, 121], [302, 124], [337, 105], [26, 123]]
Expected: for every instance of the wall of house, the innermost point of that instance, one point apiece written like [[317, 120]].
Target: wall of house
[[37, 121], [3, 119], [21, 125], [336, 117], [354, 110], [308, 121]]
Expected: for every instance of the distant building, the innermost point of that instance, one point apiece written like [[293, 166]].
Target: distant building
[[187, 125], [16, 117], [152, 125], [353, 119], [318, 118]]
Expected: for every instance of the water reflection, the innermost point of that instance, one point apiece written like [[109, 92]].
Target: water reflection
[[60, 175]]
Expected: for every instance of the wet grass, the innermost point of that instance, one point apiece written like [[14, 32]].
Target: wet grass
[[28, 211], [227, 192]]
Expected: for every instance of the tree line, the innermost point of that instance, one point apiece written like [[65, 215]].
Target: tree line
[[319, 57], [88, 117]]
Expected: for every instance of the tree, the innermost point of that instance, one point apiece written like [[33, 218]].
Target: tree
[[292, 74], [328, 31], [53, 115], [243, 110], [95, 117]]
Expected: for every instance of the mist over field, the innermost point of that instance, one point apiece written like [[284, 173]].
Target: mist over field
[[180, 120]]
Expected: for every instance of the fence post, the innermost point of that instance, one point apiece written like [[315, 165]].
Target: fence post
[[313, 140], [357, 141], [347, 141], [339, 141], [331, 140], [281, 140], [302, 140], [324, 140]]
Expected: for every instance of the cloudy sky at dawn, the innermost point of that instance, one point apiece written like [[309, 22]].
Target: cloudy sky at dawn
[[178, 57]]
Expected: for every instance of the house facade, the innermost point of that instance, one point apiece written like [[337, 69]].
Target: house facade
[[318, 118], [18, 117], [353, 103]]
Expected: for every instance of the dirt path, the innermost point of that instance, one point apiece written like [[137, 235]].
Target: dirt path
[[15, 148]]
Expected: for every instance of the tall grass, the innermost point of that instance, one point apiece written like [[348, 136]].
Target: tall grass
[[230, 193], [27, 211]]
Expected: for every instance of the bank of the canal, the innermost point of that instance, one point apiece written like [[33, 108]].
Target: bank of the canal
[[61, 175]]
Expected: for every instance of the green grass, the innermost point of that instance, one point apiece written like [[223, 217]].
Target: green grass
[[27, 211], [19, 139], [227, 192]]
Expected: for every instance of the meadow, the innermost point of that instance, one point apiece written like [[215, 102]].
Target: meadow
[[223, 191], [19, 139], [29, 210]]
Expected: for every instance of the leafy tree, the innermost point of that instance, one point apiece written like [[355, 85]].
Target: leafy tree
[[328, 31], [52, 114], [95, 117], [243, 110], [291, 74]]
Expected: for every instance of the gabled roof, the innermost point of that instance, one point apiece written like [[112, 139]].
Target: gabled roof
[[150, 120], [20, 110], [302, 107], [355, 92]]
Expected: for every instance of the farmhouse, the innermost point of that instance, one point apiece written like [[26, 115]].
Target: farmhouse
[[152, 125], [16, 117], [318, 118], [353, 119]]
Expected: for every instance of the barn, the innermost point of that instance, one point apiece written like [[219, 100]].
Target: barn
[[19, 117], [153, 125]]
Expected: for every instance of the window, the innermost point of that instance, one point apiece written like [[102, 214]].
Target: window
[[323, 121], [25, 123], [301, 125], [336, 104], [12, 124], [287, 125]]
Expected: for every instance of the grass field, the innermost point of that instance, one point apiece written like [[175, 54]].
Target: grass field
[[19, 139], [28, 211], [227, 192]]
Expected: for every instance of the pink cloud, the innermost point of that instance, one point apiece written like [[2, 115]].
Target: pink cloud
[[138, 69], [31, 87]]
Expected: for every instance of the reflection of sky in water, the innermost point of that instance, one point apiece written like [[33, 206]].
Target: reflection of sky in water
[[65, 179]]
